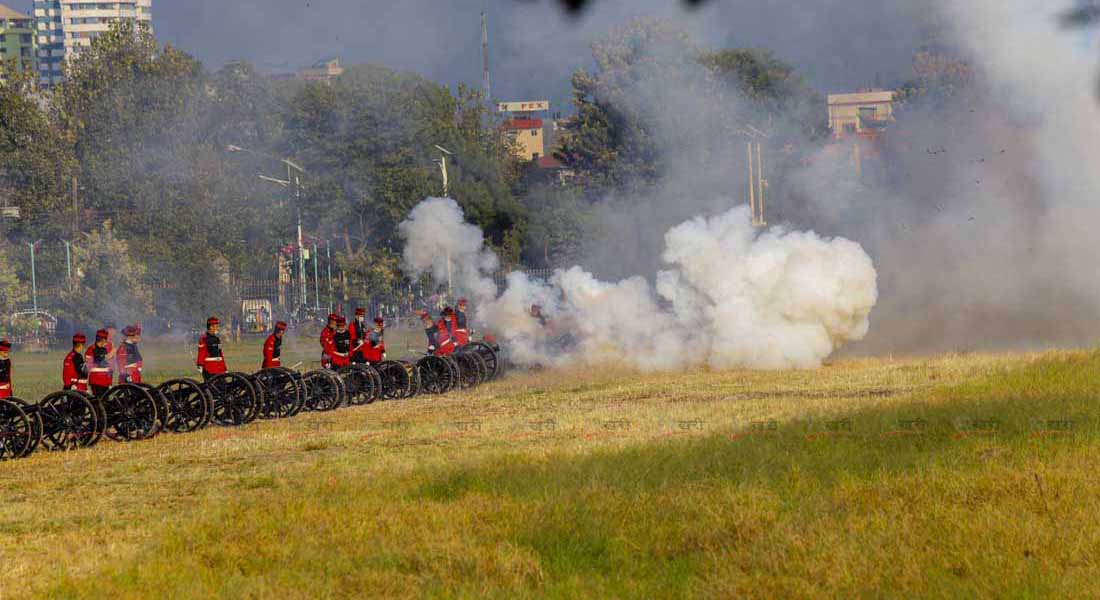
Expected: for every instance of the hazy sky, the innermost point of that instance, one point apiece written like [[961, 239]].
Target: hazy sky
[[839, 44]]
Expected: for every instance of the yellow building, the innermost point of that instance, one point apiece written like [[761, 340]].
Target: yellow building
[[860, 112], [524, 128]]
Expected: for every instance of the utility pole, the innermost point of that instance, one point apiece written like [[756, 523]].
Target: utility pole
[[301, 247], [68, 262], [328, 262], [485, 57], [759, 220], [34, 277], [76, 209], [316, 280]]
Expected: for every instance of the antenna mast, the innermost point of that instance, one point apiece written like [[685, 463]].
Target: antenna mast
[[485, 56]]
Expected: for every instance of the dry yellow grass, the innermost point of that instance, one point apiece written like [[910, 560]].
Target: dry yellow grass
[[80, 518]]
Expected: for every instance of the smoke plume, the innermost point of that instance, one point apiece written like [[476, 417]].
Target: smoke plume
[[728, 297]]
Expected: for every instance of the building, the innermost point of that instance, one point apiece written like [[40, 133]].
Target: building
[[66, 27], [16, 41], [524, 126], [865, 112], [325, 70]]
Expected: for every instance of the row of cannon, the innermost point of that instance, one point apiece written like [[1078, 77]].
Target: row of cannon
[[128, 412]]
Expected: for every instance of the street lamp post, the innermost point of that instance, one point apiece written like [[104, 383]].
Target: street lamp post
[[316, 279], [34, 277], [442, 162], [328, 264], [68, 262]]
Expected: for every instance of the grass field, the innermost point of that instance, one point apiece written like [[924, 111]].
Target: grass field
[[961, 475]]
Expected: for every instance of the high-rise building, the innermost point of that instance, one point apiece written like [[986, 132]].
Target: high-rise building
[[66, 27], [16, 41]]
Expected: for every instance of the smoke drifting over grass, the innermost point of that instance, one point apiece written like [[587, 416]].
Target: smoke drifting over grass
[[729, 297]]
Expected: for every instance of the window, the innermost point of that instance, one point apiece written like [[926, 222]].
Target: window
[[534, 132], [867, 112]]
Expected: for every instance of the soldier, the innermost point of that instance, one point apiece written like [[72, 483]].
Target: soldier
[[461, 330], [74, 371], [359, 333], [5, 369], [273, 347], [111, 330], [98, 359], [210, 360], [341, 344], [430, 330], [129, 356], [375, 349], [536, 312], [445, 325], [326, 341]]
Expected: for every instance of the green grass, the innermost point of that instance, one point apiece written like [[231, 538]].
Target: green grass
[[956, 476]]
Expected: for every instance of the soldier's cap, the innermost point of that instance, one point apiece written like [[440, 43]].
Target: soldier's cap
[[448, 311], [5, 345], [332, 316], [360, 312], [423, 314], [490, 338], [340, 320], [131, 330], [379, 320], [280, 326], [212, 321], [461, 301], [102, 334], [79, 339]]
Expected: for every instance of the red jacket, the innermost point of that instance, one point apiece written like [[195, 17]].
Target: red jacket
[[326, 347], [445, 343], [129, 363], [375, 346], [210, 358], [460, 331], [5, 378], [273, 348], [74, 372], [99, 371]]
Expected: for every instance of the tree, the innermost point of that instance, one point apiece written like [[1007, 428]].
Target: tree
[[107, 285]]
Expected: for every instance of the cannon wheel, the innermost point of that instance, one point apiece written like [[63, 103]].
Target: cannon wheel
[[261, 396], [436, 374], [489, 355], [416, 383], [188, 405], [395, 379], [162, 405], [326, 390], [131, 413], [471, 369], [70, 419], [16, 430], [359, 384], [36, 422], [234, 399], [283, 393], [376, 381]]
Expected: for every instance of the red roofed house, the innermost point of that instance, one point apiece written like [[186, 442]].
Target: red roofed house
[[524, 128]]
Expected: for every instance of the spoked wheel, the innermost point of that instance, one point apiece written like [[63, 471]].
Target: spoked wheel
[[376, 381], [436, 373], [283, 393], [234, 399], [36, 423], [395, 379], [416, 382], [489, 355], [162, 405], [188, 406], [70, 420], [131, 413], [16, 430], [471, 369], [358, 383], [326, 390]]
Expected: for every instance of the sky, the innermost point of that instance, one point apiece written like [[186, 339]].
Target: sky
[[534, 44]]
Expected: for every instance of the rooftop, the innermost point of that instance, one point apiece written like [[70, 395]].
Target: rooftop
[[862, 97], [8, 13]]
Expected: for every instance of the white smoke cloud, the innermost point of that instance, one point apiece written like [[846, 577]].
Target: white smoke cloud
[[439, 241], [730, 297]]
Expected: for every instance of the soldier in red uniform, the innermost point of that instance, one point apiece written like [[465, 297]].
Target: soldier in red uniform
[[129, 356], [374, 351], [461, 329], [359, 332], [445, 326], [111, 330], [74, 371], [326, 341], [5, 369], [273, 347], [430, 330], [210, 360], [98, 359], [341, 344]]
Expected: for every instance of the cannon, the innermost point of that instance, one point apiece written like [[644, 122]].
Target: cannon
[[490, 354], [362, 384], [472, 369], [324, 390], [70, 420], [439, 374], [284, 392], [234, 399], [189, 406], [19, 434], [131, 413]]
